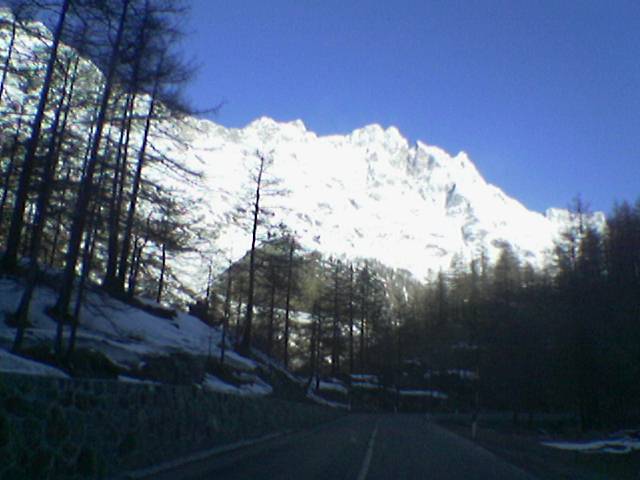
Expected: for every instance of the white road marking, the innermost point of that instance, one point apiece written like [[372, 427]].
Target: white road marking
[[364, 469]]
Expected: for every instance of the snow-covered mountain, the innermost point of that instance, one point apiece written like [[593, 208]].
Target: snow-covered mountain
[[369, 194]]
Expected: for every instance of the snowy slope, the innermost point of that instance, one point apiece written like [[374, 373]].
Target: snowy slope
[[122, 332], [128, 336]]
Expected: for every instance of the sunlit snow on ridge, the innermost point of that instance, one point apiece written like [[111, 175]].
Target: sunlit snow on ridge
[[369, 194]]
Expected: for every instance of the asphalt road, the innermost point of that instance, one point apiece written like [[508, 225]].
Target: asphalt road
[[357, 447]]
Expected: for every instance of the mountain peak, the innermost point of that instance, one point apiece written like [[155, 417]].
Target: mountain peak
[[268, 122], [261, 122], [372, 134]]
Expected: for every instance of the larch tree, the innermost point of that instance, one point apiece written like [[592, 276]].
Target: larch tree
[[9, 259], [84, 197], [264, 186]]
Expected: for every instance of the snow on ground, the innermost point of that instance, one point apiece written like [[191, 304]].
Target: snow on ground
[[214, 384], [126, 335], [456, 372], [366, 381], [333, 385], [276, 365], [122, 332], [256, 388], [15, 364], [366, 385], [622, 443], [239, 362], [424, 393], [328, 403], [126, 379]]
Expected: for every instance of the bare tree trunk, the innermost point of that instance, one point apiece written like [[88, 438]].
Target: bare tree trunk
[[48, 174], [272, 309], [335, 334], [246, 337], [288, 303], [58, 150], [238, 317], [60, 309], [227, 315], [136, 259], [363, 326], [313, 351], [7, 61], [126, 241], [209, 280], [114, 278], [42, 206], [9, 260], [351, 318], [162, 268], [93, 226], [136, 262], [87, 258], [10, 167], [318, 351], [115, 200], [58, 222], [24, 248], [134, 266], [16, 137]]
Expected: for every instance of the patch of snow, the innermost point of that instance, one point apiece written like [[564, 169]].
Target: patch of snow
[[620, 445], [16, 364], [239, 362], [325, 402], [333, 386], [150, 303], [256, 388], [364, 377], [125, 378], [214, 384], [277, 365], [424, 393], [366, 385]]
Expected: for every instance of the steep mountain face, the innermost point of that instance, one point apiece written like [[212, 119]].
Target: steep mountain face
[[368, 194]]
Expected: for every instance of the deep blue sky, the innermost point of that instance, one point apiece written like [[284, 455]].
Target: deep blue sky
[[543, 95]]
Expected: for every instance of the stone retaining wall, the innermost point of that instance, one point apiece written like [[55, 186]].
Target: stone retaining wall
[[59, 428]]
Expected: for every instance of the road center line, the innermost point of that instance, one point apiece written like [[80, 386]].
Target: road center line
[[364, 469]]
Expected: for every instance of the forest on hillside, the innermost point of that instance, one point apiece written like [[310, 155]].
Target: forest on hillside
[[87, 108], [500, 336]]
